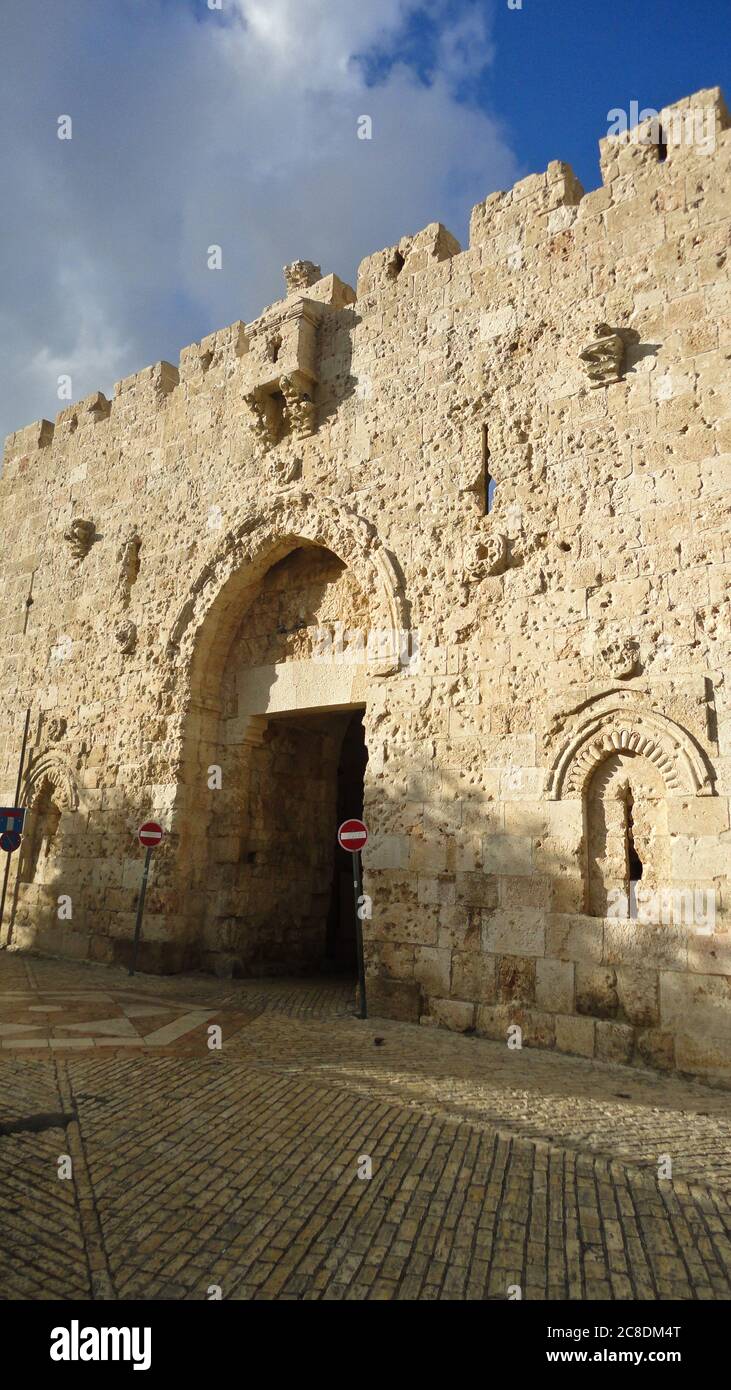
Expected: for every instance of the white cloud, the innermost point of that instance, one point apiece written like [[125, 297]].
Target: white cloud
[[190, 131], [91, 352]]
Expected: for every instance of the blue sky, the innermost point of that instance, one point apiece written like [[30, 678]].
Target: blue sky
[[238, 127], [579, 58]]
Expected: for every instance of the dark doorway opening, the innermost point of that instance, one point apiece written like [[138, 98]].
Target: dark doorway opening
[[340, 952], [288, 900]]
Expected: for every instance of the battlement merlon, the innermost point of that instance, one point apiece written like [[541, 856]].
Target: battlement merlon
[[680, 139], [150, 387], [681, 136]]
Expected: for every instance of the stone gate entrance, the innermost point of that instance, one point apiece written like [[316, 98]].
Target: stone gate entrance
[[282, 902], [275, 757]]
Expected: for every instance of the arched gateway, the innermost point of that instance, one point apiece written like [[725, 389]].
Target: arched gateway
[[281, 631]]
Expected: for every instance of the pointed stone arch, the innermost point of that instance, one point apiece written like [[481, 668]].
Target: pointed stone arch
[[259, 541], [615, 728], [52, 769]]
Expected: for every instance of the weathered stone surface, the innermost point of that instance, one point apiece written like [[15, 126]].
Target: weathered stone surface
[[614, 1041], [575, 1035], [406, 523], [516, 980], [452, 1013], [656, 1049], [637, 991], [596, 991], [473, 976], [555, 985], [397, 999]]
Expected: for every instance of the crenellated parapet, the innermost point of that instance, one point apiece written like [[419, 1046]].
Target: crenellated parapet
[[411, 254], [535, 204], [275, 363]]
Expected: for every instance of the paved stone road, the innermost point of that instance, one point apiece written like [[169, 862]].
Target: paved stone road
[[239, 1168]]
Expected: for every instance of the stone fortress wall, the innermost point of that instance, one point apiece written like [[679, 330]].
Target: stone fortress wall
[[561, 724]]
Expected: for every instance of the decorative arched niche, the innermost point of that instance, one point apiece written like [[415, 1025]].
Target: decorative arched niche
[[51, 771], [49, 790], [626, 832], [622, 764], [617, 729]]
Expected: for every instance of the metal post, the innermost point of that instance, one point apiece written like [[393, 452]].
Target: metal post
[[140, 910], [358, 893], [6, 873]]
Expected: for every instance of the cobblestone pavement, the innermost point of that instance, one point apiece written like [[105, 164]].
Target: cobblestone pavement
[[239, 1168]]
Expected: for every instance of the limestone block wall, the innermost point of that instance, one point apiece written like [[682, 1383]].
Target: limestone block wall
[[520, 454]]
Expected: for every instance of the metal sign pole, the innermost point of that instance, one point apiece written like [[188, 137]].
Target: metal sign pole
[[6, 874], [358, 893], [140, 910]]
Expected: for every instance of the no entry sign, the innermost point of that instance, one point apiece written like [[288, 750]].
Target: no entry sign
[[352, 835], [150, 834]]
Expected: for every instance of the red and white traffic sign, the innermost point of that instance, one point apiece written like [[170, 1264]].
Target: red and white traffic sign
[[352, 835], [150, 834]]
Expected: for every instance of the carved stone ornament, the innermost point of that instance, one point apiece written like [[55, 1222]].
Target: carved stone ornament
[[620, 657], [336, 527], [617, 724], [128, 556], [299, 275], [263, 419], [50, 769], [300, 409], [603, 357], [56, 728], [282, 471], [485, 555], [80, 537], [125, 635]]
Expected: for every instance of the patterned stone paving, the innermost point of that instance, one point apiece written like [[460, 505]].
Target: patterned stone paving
[[64, 1020], [239, 1168]]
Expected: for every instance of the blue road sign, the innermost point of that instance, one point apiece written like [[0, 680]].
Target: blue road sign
[[10, 840], [12, 819]]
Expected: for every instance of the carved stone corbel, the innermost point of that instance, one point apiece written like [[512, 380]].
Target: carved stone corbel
[[262, 416], [603, 357], [80, 537], [300, 409]]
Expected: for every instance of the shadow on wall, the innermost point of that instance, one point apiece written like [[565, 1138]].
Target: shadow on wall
[[476, 922], [72, 895], [279, 908], [482, 918]]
